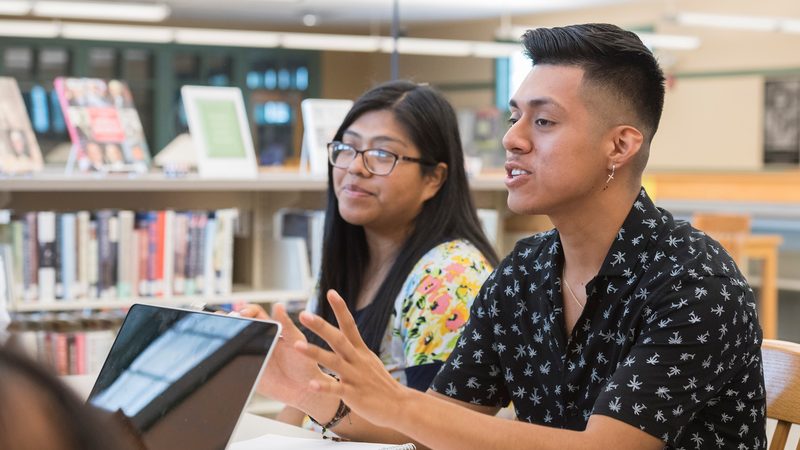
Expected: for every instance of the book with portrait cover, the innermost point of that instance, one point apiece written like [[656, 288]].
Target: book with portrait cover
[[19, 151], [103, 125]]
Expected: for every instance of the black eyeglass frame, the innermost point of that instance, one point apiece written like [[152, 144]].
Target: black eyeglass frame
[[397, 157]]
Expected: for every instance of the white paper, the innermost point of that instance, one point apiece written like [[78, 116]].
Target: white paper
[[278, 442]]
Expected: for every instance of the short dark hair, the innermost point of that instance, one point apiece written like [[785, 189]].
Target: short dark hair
[[611, 58], [431, 124]]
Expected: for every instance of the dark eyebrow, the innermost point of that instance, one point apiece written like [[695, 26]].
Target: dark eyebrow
[[376, 138], [537, 102]]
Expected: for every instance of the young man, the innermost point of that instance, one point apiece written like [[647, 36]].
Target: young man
[[622, 328]]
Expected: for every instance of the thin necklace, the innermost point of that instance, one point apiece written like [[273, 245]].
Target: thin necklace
[[574, 297]]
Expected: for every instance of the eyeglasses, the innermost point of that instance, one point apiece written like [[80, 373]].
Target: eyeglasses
[[377, 160]]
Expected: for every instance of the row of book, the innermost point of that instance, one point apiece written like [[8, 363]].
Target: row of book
[[111, 254], [70, 343]]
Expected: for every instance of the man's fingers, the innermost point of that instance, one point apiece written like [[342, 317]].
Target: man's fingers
[[345, 319], [330, 334]]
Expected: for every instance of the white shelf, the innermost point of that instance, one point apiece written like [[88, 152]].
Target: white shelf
[[240, 294], [158, 182], [284, 180]]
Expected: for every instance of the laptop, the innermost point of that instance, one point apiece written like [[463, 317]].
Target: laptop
[[181, 378]]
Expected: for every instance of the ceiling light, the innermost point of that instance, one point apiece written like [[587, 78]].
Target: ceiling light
[[255, 39], [28, 28], [651, 40], [495, 49], [309, 20], [749, 23], [119, 33], [669, 41], [790, 26], [419, 46], [234, 38], [15, 7], [137, 12], [341, 42]]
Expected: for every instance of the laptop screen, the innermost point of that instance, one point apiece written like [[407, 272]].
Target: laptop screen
[[182, 378]]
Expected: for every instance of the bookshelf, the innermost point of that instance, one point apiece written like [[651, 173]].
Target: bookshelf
[[256, 199], [240, 293]]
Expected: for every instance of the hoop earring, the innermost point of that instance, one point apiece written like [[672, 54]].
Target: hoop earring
[[610, 176]]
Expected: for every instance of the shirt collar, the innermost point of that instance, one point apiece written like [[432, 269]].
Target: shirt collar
[[643, 222]]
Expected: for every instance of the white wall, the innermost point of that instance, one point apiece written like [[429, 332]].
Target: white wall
[[710, 123]]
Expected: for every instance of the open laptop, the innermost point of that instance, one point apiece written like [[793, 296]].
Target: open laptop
[[182, 378]]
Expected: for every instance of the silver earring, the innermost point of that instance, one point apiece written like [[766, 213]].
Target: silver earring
[[610, 176]]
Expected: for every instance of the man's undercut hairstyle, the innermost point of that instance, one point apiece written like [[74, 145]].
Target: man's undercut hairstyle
[[612, 59]]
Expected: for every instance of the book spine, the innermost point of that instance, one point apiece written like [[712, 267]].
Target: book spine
[[31, 258], [199, 275], [72, 353], [80, 353], [191, 249], [98, 344], [226, 270], [125, 255], [93, 258], [60, 352], [158, 255], [111, 270], [103, 254], [68, 256], [208, 256], [83, 247], [59, 283], [143, 243], [168, 253], [18, 246], [179, 278], [46, 232]]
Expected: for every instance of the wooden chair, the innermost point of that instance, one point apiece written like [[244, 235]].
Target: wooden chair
[[730, 230], [782, 380]]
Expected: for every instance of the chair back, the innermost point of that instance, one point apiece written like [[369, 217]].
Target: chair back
[[782, 381], [730, 230]]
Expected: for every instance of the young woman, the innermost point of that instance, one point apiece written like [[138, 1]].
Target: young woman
[[402, 240]]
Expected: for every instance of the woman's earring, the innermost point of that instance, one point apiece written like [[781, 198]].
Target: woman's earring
[[610, 176]]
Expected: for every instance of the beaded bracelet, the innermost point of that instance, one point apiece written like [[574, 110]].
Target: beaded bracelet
[[341, 412]]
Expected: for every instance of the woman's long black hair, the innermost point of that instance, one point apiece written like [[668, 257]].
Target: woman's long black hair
[[430, 122]]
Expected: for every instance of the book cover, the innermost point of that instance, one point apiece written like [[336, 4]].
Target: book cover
[[103, 125], [19, 150]]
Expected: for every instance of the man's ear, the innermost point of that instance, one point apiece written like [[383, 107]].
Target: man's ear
[[434, 181], [627, 143]]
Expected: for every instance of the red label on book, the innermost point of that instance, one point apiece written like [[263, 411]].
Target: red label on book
[[106, 125]]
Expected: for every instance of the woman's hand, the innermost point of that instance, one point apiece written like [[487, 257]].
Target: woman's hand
[[288, 374], [364, 384]]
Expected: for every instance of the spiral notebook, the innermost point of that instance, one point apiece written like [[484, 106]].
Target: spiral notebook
[[278, 442]]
